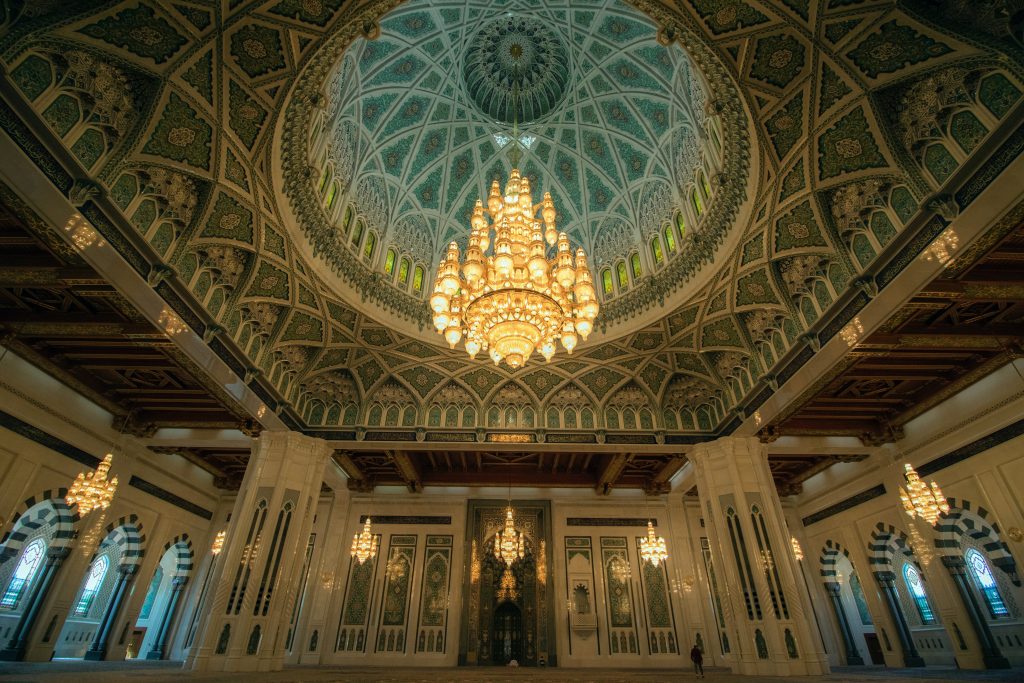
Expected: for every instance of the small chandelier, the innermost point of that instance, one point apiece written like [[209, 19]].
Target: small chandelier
[[92, 490], [798, 552], [507, 591], [921, 499], [509, 544], [218, 542], [364, 544], [652, 548], [516, 300]]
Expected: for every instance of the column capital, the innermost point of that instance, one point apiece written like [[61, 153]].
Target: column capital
[[294, 442], [726, 446]]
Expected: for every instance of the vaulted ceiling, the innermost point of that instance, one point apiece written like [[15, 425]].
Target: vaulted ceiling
[[177, 129]]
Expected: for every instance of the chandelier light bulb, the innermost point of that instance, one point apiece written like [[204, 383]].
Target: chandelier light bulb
[[218, 542], [798, 552], [92, 490], [519, 298], [509, 543], [652, 548], [920, 499], [364, 544]]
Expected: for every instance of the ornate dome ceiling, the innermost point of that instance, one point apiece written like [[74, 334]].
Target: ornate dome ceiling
[[417, 122], [605, 112]]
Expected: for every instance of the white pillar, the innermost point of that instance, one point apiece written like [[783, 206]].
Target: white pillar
[[772, 631], [244, 626]]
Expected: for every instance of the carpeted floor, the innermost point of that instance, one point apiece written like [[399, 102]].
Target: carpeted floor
[[171, 672]]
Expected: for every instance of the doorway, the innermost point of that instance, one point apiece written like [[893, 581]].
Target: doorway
[[507, 634], [874, 649]]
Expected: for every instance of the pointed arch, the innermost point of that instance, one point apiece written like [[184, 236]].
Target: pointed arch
[[962, 521]]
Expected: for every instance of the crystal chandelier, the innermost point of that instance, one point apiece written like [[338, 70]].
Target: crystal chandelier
[[515, 300], [92, 490], [652, 548], [507, 590], [218, 542], [921, 499], [364, 544], [798, 552], [509, 544]]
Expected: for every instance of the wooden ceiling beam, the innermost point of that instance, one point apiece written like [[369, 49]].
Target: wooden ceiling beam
[[612, 471], [15, 272], [407, 470]]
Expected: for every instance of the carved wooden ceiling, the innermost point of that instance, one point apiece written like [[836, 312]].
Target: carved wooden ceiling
[[62, 317], [963, 326], [417, 468]]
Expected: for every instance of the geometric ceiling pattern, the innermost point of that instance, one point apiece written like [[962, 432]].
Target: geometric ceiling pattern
[[609, 126], [864, 122]]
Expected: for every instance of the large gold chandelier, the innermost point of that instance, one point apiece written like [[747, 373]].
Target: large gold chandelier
[[364, 544], [92, 490], [509, 543], [515, 300], [652, 548], [921, 499]]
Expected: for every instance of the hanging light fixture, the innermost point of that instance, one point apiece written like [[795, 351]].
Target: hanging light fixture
[[509, 543], [652, 548], [920, 499], [364, 544], [515, 300], [218, 542], [92, 490]]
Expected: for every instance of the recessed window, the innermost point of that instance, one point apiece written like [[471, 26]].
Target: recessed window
[[606, 281], [24, 573], [324, 179], [371, 243], [670, 239], [986, 583], [635, 267], [681, 224], [332, 194], [656, 251], [916, 587], [389, 262], [403, 272], [621, 276], [93, 581], [417, 279], [698, 207]]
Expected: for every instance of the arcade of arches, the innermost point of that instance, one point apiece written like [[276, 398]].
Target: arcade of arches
[[220, 226]]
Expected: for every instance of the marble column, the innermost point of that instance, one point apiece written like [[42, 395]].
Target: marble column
[[886, 581], [772, 633], [160, 642], [98, 650], [244, 620], [990, 653], [16, 646], [853, 658]]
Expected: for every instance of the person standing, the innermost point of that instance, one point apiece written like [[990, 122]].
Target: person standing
[[698, 661]]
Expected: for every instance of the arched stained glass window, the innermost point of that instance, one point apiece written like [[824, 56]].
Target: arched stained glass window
[[357, 236], [93, 581], [698, 207], [417, 279], [606, 281], [620, 275], [656, 251], [389, 262], [916, 587], [681, 224], [634, 266], [670, 239], [332, 194], [704, 185], [348, 219], [24, 573], [986, 583], [324, 179], [403, 272], [371, 242]]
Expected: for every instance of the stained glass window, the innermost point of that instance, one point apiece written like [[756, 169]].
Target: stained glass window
[[916, 587], [371, 242], [656, 251], [154, 586], [621, 276], [670, 239], [681, 224], [24, 573], [704, 185], [987, 583], [417, 279], [93, 581], [389, 262], [697, 205], [634, 265], [324, 179], [403, 272], [357, 236], [606, 281], [331, 196]]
